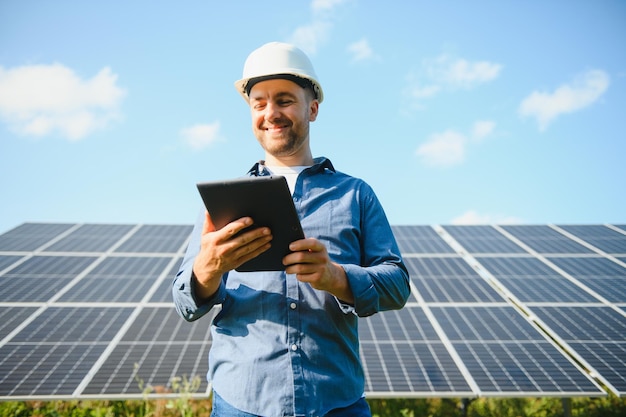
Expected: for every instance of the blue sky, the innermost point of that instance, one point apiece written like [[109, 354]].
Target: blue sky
[[454, 111]]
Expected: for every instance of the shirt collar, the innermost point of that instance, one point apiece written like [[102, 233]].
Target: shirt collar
[[319, 164]]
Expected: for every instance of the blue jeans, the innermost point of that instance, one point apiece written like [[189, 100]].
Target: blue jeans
[[222, 409]]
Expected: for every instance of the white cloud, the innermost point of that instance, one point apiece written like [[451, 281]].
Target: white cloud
[[443, 149], [582, 92], [460, 73], [201, 136], [320, 6], [361, 51], [309, 37], [445, 73], [38, 100], [482, 129], [471, 217], [419, 92], [448, 148], [312, 35]]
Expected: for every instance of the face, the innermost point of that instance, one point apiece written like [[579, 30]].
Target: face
[[281, 112]]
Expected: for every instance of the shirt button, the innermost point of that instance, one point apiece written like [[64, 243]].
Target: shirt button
[[293, 306], [294, 347]]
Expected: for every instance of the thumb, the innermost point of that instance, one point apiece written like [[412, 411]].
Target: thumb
[[208, 225]]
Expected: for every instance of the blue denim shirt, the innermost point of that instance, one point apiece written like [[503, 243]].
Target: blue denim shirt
[[280, 347]]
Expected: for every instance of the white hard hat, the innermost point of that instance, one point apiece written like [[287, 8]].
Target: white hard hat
[[278, 60]]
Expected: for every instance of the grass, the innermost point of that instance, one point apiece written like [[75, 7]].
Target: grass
[[184, 406]]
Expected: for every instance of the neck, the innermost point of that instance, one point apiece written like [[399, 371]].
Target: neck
[[304, 159]]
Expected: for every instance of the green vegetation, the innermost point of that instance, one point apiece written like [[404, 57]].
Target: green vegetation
[[178, 401], [184, 406]]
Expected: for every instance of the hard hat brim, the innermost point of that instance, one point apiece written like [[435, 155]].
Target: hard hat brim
[[242, 84]]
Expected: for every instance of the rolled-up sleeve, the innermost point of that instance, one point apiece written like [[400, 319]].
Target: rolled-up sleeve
[[381, 281]]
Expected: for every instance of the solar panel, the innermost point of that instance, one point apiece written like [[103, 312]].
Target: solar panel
[[403, 355], [90, 238], [482, 239], [449, 280], [86, 312], [597, 336], [604, 276], [602, 237], [531, 280], [507, 355], [545, 239], [420, 239]]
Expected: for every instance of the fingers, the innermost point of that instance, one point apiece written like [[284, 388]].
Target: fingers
[[228, 231], [310, 245], [308, 260], [227, 248]]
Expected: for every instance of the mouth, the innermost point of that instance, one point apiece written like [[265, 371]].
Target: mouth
[[275, 128]]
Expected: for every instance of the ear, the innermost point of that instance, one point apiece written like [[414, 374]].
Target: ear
[[314, 107]]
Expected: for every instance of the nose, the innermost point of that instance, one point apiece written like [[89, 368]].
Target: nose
[[272, 111]]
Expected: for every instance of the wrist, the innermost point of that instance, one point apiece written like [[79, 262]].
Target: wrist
[[204, 289]]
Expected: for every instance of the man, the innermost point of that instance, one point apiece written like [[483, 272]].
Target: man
[[285, 343]]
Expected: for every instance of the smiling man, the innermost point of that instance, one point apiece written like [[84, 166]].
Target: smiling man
[[285, 343]]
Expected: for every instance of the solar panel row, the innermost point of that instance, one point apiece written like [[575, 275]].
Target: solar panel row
[[85, 311]]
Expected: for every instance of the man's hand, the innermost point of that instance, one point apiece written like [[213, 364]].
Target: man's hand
[[222, 251], [311, 263]]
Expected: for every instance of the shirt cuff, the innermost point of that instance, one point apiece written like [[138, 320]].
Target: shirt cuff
[[366, 300]]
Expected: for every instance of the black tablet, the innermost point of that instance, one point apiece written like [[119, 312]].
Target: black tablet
[[267, 200]]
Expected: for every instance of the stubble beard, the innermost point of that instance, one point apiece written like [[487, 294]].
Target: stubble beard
[[287, 144]]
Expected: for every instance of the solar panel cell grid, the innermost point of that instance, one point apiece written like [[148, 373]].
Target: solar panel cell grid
[[531, 280], [544, 239], [90, 238], [608, 359], [7, 261], [40, 277], [605, 277], [12, 317], [74, 325], [602, 237], [482, 239], [163, 294], [495, 323], [590, 323], [122, 279], [420, 239], [449, 280], [132, 368], [522, 367], [156, 239], [31, 236], [45, 370]]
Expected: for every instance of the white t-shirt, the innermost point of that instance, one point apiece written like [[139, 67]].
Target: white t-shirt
[[290, 173]]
